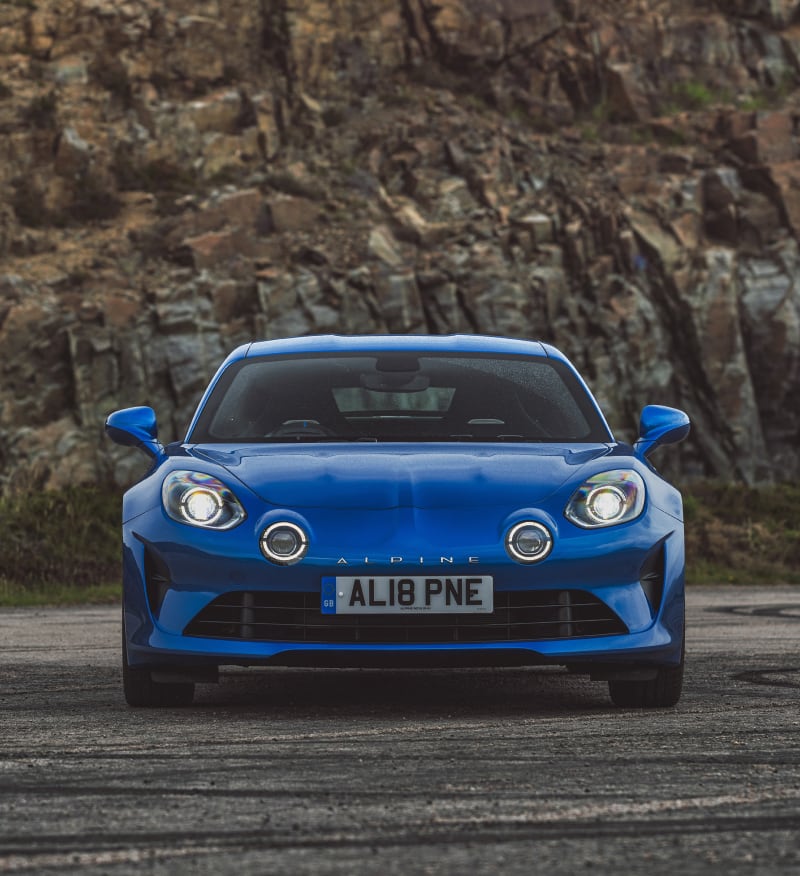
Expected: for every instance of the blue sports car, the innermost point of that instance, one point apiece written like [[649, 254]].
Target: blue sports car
[[401, 501]]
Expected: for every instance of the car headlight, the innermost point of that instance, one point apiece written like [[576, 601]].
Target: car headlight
[[201, 500], [284, 543], [607, 499]]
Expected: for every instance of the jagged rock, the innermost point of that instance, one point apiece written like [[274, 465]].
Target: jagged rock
[[72, 154], [627, 101], [219, 111], [288, 213], [208, 250], [759, 223], [383, 246], [481, 31], [722, 190], [540, 227], [178, 179], [41, 28], [70, 70], [399, 301], [776, 12], [772, 141], [770, 304], [786, 178], [714, 299], [661, 245]]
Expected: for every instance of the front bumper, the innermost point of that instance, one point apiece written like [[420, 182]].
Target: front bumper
[[655, 647], [172, 574]]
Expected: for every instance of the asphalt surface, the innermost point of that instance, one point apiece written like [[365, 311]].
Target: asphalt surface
[[339, 772]]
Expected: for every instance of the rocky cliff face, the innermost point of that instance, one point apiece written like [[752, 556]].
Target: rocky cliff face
[[621, 179]]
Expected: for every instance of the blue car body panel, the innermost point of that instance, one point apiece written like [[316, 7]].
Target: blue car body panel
[[438, 509]]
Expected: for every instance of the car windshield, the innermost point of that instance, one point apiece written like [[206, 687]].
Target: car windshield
[[398, 396]]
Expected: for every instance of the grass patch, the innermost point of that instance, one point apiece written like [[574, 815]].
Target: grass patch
[[13, 595], [690, 96], [742, 535], [63, 548], [60, 547]]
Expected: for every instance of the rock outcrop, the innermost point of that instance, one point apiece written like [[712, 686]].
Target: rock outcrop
[[621, 179]]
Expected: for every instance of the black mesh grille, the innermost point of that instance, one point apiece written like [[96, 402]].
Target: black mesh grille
[[157, 579], [651, 577], [296, 617]]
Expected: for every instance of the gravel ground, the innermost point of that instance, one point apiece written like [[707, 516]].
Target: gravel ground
[[340, 772]]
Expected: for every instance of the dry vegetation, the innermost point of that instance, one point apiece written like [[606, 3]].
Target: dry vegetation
[[65, 547], [742, 535]]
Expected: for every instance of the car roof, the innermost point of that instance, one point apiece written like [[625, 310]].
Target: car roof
[[382, 343]]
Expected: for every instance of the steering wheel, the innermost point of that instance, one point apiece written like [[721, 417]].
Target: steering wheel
[[301, 429]]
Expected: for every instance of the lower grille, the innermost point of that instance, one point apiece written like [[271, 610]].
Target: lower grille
[[296, 617]]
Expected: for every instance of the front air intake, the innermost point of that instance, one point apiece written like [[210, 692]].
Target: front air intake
[[157, 579], [271, 616], [651, 577]]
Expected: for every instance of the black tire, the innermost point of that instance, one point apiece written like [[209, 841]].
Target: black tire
[[660, 692], [140, 689]]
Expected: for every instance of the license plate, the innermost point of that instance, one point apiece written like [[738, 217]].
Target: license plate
[[463, 594]]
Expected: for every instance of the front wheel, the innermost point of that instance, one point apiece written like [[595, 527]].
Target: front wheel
[[657, 693], [141, 690]]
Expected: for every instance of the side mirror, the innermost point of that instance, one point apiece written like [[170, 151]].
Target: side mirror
[[135, 427], [660, 425]]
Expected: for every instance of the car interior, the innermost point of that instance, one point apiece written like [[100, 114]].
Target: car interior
[[395, 397]]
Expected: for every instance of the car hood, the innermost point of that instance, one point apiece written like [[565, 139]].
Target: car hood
[[383, 476]]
